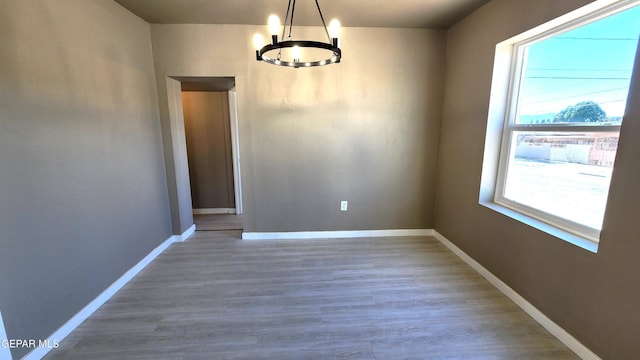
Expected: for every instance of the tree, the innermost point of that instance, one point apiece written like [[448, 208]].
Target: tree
[[585, 111]]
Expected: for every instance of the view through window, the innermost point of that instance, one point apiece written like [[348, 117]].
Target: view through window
[[570, 89]]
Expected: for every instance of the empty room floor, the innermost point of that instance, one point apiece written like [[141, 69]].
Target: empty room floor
[[218, 297], [214, 222]]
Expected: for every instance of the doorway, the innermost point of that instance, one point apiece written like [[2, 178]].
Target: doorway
[[208, 139], [210, 121], [209, 115], [182, 216]]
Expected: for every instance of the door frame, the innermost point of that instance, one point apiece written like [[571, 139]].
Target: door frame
[[178, 137], [235, 149]]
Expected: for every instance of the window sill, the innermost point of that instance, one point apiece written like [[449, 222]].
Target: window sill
[[576, 240]]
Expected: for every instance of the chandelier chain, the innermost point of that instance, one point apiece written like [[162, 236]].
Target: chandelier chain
[[293, 10], [324, 25], [290, 9]]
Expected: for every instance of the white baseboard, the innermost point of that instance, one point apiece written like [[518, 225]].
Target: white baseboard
[[216, 211], [572, 343], [83, 314], [5, 352], [187, 234], [334, 234]]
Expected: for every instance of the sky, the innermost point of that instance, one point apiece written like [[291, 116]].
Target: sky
[[593, 62]]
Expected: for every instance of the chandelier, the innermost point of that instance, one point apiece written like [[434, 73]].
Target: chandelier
[[298, 53]]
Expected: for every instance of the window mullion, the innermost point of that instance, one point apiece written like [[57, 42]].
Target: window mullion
[[565, 128]]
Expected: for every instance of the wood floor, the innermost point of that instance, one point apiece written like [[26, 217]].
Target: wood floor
[[218, 222], [218, 297]]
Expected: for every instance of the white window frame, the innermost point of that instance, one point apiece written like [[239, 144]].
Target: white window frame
[[508, 101]]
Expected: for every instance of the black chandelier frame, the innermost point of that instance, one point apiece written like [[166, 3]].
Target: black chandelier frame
[[331, 45]]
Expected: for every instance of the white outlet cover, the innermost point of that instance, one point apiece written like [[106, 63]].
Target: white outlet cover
[[343, 205]]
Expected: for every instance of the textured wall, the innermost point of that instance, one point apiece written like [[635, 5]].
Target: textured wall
[[594, 297], [365, 130], [83, 193]]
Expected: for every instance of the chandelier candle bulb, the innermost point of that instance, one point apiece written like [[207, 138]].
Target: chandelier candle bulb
[[274, 25], [296, 51], [334, 28], [258, 41]]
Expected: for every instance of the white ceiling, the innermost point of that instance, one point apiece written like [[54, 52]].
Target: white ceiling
[[351, 13]]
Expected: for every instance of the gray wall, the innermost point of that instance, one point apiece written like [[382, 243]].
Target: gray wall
[[365, 130], [83, 194], [208, 136], [594, 297]]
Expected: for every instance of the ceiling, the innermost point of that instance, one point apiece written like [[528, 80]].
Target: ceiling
[[351, 13]]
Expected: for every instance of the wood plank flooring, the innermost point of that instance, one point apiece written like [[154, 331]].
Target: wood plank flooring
[[217, 222], [218, 297]]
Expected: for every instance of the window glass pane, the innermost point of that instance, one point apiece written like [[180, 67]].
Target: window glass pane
[[580, 76], [561, 173]]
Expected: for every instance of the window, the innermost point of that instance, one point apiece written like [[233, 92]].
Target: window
[[566, 100]]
